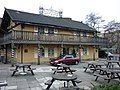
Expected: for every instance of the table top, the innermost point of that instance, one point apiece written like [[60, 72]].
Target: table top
[[112, 70], [63, 65], [64, 76], [96, 63], [22, 64], [113, 61]]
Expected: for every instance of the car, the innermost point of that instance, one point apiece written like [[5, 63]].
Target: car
[[65, 59]]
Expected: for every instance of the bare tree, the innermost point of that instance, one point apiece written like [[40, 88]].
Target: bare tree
[[112, 32], [93, 20], [112, 26]]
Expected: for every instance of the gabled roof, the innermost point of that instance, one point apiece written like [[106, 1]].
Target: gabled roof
[[25, 17]]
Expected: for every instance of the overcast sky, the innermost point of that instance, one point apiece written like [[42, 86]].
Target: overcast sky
[[75, 9]]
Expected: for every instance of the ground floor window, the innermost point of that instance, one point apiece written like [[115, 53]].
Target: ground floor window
[[42, 52], [85, 51], [65, 50], [50, 52]]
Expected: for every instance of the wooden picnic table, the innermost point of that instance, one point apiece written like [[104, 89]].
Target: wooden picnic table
[[62, 77], [108, 73], [93, 65], [23, 66], [63, 68], [111, 62]]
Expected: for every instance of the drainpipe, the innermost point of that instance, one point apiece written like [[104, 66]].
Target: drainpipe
[[61, 49], [38, 54], [5, 54], [93, 53], [80, 47], [22, 27], [80, 52]]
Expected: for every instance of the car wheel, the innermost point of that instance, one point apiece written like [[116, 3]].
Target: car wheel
[[61, 62], [76, 62]]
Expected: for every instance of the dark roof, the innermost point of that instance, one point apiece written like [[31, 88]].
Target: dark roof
[[46, 20]]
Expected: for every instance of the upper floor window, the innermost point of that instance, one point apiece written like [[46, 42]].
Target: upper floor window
[[35, 30], [41, 30], [84, 34], [76, 33], [50, 30]]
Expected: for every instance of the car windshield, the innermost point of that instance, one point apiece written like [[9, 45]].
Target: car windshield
[[61, 56]]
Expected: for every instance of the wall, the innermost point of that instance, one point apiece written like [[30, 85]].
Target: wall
[[29, 49]]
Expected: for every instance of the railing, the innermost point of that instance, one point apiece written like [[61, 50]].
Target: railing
[[34, 36]]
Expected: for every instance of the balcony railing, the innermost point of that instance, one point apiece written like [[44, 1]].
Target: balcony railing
[[34, 36]]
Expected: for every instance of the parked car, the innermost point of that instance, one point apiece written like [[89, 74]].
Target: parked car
[[66, 59]]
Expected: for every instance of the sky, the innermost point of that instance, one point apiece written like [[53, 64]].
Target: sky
[[75, 9]]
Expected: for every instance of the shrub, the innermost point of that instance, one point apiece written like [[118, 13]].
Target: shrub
[[110, 86]]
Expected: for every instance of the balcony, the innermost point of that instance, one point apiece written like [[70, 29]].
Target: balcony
[[34, 37]]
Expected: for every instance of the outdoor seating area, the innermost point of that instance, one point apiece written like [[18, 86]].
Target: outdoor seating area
[[60, 77]]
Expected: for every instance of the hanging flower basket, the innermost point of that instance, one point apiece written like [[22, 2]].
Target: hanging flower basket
[[40, 46], [14, 47]]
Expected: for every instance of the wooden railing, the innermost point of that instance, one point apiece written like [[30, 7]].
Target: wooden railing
[[34, 36]]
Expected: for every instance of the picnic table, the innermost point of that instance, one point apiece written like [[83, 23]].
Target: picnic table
[[24, 67], [63, 68], [62, 77], [108, 73], [93, 65], [111, 62]]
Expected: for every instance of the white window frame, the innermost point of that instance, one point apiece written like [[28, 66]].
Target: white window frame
[[85, 52], [36, 30], [52, 50], [36, 53]]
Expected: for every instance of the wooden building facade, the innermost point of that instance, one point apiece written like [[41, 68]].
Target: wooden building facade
[[36, 38]]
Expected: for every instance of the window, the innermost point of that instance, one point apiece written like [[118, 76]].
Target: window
[[36, 30], [41, 30], [26, 50], [84, 51], [42, 52], [50, 31], [84, 34], [50, 52], [76, 33]]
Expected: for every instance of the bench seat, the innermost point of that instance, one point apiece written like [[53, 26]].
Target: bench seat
[[102, 76]]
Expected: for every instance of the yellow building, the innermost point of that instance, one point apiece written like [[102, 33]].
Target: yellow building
[[36, 38]]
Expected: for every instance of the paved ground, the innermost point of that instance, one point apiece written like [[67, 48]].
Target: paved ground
[[42, 74]]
